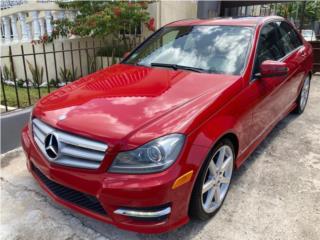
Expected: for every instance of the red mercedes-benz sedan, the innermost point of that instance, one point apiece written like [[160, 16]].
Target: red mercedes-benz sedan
[[148, 143]]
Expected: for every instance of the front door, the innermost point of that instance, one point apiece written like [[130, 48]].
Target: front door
[[267, 102]]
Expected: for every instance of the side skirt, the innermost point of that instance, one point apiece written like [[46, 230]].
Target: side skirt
[[250, 149]]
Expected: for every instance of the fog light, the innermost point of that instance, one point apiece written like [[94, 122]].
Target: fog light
[[143, 213]]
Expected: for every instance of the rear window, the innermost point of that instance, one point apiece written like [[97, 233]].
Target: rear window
[[288, 37]]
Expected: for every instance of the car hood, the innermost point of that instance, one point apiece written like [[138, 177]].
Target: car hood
[[114, 103]]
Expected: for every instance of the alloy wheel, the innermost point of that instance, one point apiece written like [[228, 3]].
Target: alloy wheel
[[217, 180], [304, 93]]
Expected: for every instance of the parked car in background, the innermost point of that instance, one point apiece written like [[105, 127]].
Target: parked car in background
[[309, 34], [150, 142]]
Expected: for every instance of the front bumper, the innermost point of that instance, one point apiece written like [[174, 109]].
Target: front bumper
[[121, 196]]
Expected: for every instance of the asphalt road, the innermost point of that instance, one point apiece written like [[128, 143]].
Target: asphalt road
[[274, 195]]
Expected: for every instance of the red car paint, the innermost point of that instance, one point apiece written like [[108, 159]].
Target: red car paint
[[126, 106]]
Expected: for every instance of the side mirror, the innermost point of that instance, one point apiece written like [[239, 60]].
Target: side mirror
[[271, 68], [126, 54]]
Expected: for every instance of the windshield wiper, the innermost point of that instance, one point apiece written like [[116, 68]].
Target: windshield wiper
[[176, 66]]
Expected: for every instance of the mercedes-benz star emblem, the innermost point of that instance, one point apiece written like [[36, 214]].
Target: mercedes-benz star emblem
[[51, 146]]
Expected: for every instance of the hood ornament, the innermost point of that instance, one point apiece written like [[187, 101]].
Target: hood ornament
[[51, 145]]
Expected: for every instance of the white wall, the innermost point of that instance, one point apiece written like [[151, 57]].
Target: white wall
[[165, 12], [18, 60], [176, 10]]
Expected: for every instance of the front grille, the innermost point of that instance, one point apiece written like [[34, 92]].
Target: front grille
[[78, 198], [72, 150]]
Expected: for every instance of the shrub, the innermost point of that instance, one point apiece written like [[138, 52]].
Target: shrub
[[66, 75], [7, 73], [54, 82], [20, 82], [37, 74], [105, 18], [115, 51]]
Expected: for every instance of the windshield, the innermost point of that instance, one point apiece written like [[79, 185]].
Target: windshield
[[214, 49]]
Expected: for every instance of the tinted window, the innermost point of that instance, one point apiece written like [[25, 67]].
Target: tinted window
[[217, 49], [269, 46], [288, 37]]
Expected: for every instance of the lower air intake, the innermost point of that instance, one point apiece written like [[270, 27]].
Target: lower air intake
[[75, 197]]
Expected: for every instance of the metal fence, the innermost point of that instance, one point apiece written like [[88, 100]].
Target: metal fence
[[44, 61], [316, 55], [300, 13]]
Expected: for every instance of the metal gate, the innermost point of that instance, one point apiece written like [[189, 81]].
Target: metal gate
[[316, 54]]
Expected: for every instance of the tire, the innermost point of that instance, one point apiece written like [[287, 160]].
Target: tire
[[200, 205], [303, 96]]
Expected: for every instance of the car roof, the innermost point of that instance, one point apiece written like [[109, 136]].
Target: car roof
[[232, 21]]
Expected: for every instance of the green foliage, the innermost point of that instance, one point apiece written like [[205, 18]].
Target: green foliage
[[20, 82], [109, 50], [293, 9], [286, 10], [7, 73], [54, 82], [66, 75], [37, 75], [92, 64], [11, 98], [312, 10], [62, 27], [104, 18]]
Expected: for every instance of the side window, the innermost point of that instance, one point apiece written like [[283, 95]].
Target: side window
[[288, 37], [269, 47]]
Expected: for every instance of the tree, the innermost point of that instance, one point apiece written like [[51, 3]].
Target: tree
[[104, 18], [311, 9], [287, 10]]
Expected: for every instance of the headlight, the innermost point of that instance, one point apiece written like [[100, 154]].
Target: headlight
[[154, 156]]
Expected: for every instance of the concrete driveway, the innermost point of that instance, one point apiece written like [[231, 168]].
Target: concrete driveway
[[274, 195]]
